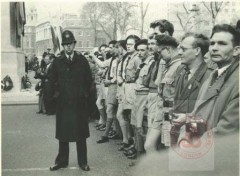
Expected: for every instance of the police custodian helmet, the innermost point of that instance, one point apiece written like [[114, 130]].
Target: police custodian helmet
[[68, 37]]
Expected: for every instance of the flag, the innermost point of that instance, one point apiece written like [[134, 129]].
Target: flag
[[55, 40]]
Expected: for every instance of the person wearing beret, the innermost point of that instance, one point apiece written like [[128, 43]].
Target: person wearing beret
[[71, 81], [138, 118], [167, 48], [153, 79]]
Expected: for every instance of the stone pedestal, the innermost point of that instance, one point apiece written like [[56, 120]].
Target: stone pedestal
[[12, 56]]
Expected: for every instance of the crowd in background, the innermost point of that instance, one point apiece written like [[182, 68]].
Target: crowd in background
[[154, 93]]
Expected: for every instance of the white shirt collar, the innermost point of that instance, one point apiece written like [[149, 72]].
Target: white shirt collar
[[70, 55], [221, 70]]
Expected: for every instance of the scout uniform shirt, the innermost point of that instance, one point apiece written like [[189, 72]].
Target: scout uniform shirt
[[130, 66], [167, 92], [142, 73]]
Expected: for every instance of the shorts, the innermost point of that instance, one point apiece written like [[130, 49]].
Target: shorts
[[155, 109], [139, 110], [120, 94], [129, 95], [101, 91], [112, 94]]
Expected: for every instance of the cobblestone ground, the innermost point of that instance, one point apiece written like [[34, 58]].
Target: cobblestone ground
[[29, 147]]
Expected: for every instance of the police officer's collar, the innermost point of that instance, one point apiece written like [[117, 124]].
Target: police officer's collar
[[69, 55]]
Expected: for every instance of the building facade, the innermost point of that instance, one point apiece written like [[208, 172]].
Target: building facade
[[86, 36], [43, 37], [29, 39]]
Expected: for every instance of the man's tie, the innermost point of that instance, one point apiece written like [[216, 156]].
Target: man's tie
[[185, 78], [156, 69], [69, 58], [214, 77], [138, 70], [187, 72]]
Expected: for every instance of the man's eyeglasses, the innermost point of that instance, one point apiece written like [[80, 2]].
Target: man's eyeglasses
[[184, 48]]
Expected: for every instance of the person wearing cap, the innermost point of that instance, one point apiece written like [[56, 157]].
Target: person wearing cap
[[167, 47], [153, 79], [139, 119], [71, 81], [111, 83], [190, 78]]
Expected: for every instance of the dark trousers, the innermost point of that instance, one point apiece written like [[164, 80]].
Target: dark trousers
[[63, 153], [50, 105]]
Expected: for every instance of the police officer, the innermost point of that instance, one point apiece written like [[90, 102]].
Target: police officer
[[71, 80]]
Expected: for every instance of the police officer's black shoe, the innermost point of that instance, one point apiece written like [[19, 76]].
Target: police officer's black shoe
[[57, 166], [85, 167]]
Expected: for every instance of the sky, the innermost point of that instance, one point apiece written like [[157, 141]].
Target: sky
[[46, 8]]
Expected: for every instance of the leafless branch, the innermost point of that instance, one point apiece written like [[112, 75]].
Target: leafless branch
[[204, 3], [104, 30], [185, 8]]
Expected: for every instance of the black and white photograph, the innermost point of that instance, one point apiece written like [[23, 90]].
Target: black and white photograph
[[120, 88]]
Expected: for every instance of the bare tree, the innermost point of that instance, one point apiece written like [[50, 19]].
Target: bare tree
[[182, 16], [189, 19], [143, 14], [121, 13], [213, 8], [110, 17], [93, 12]]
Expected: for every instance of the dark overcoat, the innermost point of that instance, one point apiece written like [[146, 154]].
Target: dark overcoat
[[186, 95], [71, 81], [218, 103]]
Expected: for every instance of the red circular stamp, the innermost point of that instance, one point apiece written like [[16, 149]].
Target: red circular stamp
[[197, 141]]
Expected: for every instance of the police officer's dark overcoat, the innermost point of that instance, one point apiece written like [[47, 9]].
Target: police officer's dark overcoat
[[71, 81]]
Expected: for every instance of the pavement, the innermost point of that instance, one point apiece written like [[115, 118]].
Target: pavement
[[29, 147]]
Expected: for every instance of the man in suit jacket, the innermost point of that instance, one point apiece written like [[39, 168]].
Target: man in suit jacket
[[71, 78], [48, 99], [189, 78], [218, 100]]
